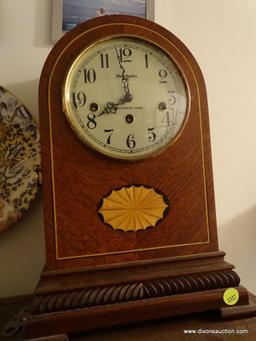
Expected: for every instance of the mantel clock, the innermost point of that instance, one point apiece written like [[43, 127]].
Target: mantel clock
[[128, 188]]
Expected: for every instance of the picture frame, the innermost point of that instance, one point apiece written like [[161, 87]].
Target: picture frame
[[60, 27]]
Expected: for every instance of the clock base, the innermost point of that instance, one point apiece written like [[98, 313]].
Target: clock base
[[76, 300]]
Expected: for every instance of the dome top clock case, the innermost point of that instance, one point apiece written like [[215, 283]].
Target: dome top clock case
[[128, 189]]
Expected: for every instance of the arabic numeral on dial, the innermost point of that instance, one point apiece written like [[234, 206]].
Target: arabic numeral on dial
[[109, 137], [91, 124], [79, 99], [172, 99], [124, 54], [131, 143], [151, 135], [89, 76], [104, 61], [146, 61], [162, 74], [170, 121]]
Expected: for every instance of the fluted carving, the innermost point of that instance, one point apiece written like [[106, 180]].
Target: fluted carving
[[134, 291], [189, 283], [88, 298]]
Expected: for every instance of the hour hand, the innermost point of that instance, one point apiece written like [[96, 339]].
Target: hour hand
[[125, 99], [128, 96], [110, 108]]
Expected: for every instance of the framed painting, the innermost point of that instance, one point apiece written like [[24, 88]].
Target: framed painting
[[69, 13]]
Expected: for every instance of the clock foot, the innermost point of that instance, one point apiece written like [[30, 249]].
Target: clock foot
[[241, 311]]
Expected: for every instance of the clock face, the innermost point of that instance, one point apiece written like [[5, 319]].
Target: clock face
[[125, 98]]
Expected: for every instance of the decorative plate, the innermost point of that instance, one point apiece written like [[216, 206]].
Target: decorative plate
[[19, 159]]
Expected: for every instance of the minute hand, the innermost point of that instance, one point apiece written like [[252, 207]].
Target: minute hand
[[111, 108], [125, 80]]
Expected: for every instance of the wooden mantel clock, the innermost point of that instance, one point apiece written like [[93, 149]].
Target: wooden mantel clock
[[128, 188]]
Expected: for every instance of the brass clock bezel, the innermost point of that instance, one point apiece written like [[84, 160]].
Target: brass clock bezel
[[77, 129]]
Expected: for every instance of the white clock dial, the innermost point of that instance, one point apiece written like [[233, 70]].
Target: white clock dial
[[125, 98]]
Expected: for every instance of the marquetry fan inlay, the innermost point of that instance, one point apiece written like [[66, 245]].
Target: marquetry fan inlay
[[133, 208]]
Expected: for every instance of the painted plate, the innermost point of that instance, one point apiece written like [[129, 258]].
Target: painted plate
[[20, 160]]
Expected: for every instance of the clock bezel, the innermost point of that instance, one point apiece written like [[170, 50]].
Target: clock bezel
[[78, 130]]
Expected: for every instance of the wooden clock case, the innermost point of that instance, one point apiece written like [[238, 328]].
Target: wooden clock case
[[96, 276]]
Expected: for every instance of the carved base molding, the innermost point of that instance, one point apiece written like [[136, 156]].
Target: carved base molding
[[71, 301], [134, 291]]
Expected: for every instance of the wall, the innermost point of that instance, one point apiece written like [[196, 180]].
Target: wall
[[25, 35], [221, 35]]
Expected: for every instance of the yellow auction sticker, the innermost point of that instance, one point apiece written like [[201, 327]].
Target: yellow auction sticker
[[231, 296]]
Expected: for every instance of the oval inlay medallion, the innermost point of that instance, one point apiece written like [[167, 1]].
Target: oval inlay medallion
[[133, 208]]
